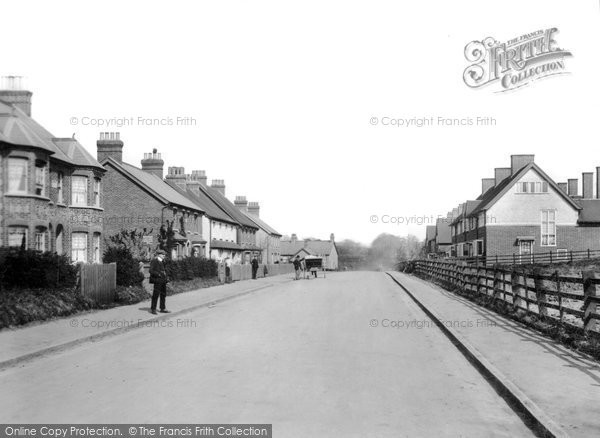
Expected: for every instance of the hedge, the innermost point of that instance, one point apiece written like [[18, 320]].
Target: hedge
[[27, 268], [190, 268]]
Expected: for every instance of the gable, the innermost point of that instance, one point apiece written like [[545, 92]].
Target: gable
[[513, 207]]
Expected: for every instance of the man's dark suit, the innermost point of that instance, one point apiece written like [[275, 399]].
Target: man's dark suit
[[158, 276]]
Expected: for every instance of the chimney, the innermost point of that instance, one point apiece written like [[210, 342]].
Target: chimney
[[294, 238], [587, 179], [192, 184], [573, 187], [598, 182], [109, 145], [564, 187], [153, 163], [177, 175], [501, 173], [11, 92], [517, 162], [218, 185], [332, 237], [254, 209], [486, 184], [200, 176], [241, 203]]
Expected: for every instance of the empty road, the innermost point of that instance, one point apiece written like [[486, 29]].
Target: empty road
[[316, 358]]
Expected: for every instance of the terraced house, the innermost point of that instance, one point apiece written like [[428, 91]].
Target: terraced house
[[522, 211], [51, 192], [138, 198]]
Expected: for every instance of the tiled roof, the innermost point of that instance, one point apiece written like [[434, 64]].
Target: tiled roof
[[227, 206], [154, 184], [224, 244], [590, 211], [430, 232], [262, 224], [76, 152], [18, 128], [317, 247], [204, 203]]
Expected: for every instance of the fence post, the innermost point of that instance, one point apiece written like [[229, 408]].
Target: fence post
[[550, 256], [540, 296], [561, 312], [517, 289], [591, 292]]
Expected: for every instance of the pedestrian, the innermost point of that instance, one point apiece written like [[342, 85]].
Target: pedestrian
[[158, 277], [254, 264], [297, 267]]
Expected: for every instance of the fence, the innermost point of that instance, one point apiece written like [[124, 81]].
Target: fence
[[549, 257], [99, 282], [561, 300], [244, 272]]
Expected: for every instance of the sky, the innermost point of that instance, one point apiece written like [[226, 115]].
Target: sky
[[284, 98]]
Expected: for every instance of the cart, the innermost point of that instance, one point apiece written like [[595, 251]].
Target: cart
[[312, 266]]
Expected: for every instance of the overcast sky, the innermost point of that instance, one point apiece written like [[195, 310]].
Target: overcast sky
[[283, 97]]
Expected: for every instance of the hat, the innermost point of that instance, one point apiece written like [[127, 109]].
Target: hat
[[160, 252]]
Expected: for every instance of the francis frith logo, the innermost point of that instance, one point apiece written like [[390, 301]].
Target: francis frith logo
[[516, 62]]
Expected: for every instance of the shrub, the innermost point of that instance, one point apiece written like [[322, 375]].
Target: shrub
[[26, 268], [190, 268], [128, 270]]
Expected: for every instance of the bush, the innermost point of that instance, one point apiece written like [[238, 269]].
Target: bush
[[26, 268], [190, 268], [128, 270]]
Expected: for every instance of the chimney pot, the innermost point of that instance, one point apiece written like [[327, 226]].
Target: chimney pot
[[152, 163], [219, 185], [109, 146], [13, 93], [254, 209]]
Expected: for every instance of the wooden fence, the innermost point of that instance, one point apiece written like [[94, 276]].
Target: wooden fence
[[570, 300], [548, 257], [244, 272], [98, 282]]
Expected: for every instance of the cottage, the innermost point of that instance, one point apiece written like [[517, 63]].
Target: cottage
[[320, 248]]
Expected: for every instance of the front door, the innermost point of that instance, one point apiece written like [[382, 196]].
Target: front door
[[525, 250]]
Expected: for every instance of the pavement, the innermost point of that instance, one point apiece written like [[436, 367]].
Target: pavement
[[25, 343], [316, 357], [562, 384]]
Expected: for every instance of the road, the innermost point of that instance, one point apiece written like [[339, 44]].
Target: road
[[304, 356]]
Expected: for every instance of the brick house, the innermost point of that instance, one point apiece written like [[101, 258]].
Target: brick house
[[267, 238], [51, 189], [320, 248], [139, 198], [232, 234], [523, 211]]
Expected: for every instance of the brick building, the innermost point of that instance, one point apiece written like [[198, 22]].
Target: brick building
[[267, 238], [523, 211], [139, 198], [51, 189]]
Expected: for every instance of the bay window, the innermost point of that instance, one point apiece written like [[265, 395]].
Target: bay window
[[79, 247], [79, 188], [17, 175], [17, 236]]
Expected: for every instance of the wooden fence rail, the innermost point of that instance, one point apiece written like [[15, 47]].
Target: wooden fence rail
[[558, 299]]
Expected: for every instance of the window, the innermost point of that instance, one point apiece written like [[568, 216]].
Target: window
[[40, 239], [79, 247], [59, 240], [532, 187], [96, 244], [79, 190], [548, 227], [17, 236], [40, 178], [97, 192], [479, 247], [17, 175], [59, 185]]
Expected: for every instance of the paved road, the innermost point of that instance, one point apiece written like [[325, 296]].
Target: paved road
[[302, 356]]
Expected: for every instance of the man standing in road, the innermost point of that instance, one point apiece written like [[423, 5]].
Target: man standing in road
[[297, 267], [254, 264], [158, 277]]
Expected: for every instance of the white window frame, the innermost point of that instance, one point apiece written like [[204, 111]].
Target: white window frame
[[96, 192], [11, 177], [96, 247], [548, 242], [78, 252], [75, 199], [40, 240]]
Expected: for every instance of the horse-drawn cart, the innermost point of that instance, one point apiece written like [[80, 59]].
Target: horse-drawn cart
[[313, 265]]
